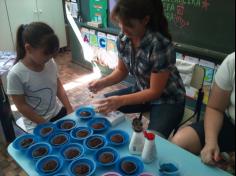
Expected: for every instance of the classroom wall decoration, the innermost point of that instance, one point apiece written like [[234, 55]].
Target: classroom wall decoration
[[102, 40], [93, 38], [85, 35], [200, 28], [111, 43], [102, 45]]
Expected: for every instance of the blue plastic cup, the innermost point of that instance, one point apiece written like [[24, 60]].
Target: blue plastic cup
[[24, 142], [58, 143], [99, 124], [116, 143], [66, 125], [85, 113], [101, 142], [72, 152], [44, 130], [130, 166], [39, 150], [82, 166], [49, 165], [110, 152], [80, 134]]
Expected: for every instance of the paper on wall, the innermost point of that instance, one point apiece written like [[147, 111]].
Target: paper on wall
[[111, 43], [191, 59], [74, 9], [93, 39], [102, 40], [85, 34]]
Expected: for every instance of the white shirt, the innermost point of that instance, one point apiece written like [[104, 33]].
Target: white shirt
[[39, 88], [225, 79]]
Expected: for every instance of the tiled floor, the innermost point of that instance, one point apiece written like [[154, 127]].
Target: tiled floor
[[75, 80]]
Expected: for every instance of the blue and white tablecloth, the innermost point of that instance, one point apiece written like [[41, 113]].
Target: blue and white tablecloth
[[6, 61]]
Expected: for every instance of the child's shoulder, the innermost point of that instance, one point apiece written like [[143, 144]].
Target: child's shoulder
[[17, 67]]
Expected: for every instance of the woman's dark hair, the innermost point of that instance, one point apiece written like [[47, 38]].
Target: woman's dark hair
[[139, 9], [38, 35]]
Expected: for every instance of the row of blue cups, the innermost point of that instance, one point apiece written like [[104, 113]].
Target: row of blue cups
[[59, 162], [32, 143], [86, 166]]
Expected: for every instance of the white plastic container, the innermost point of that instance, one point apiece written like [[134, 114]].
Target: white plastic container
[[137, 143], [149, 153]]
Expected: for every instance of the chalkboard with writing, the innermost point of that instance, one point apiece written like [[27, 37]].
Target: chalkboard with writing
[[203, 27]]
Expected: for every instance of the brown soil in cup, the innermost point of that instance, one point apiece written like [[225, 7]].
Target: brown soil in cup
[[98, 126], [95, 143], [50, 166], [72, 153], [26, 143], [106, 157], [46, 131], [128, 167], [58, 140], [82, 133], [67, 125], [85, 114], [117, 138], [39, 152], [81, 170]]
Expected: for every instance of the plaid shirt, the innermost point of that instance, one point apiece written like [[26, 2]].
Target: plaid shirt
[[155, 54]]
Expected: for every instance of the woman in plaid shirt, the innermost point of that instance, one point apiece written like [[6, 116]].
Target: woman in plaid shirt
[[147, 53]]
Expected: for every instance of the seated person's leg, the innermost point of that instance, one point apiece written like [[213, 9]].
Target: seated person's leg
[[164, 118], [190, 138]]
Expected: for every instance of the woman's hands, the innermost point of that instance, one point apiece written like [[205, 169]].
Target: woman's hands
[[210, 154], [96, 86], [108, 105]]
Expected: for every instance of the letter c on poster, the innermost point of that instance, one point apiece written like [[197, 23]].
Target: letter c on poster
[[102, 43]]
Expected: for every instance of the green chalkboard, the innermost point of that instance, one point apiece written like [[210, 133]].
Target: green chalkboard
[[203, 27]]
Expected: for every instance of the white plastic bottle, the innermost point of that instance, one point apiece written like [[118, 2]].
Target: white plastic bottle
[[137, 143], [149, 153]]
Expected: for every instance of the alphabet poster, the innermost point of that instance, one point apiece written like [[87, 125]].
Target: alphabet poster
[[93, 38], [85, 35], [102, 40], [111, 43]]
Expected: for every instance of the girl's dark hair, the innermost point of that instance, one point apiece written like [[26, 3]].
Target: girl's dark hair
[[139, 9], [38, 35]]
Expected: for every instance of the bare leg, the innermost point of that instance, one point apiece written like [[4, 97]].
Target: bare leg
[[188, 139]]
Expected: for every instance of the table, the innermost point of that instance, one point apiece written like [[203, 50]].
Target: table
[[190, 165]]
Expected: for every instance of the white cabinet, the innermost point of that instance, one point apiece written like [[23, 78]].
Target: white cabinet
[[6, 42], [51, 12], [48, 11]]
